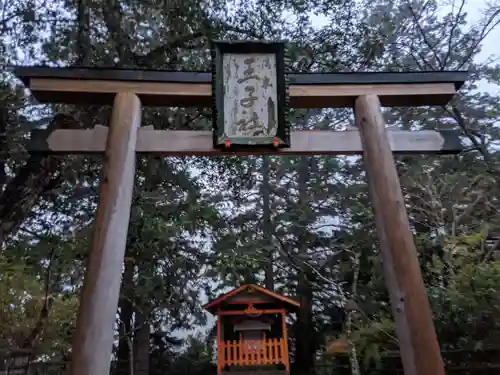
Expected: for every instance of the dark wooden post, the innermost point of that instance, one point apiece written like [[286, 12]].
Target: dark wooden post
[[93, 339], [285, 339], [418, 341], [219, 342]]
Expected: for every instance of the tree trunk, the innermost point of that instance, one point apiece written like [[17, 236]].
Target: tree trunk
[[266, 223], [38, 176], [83, 44], [353, 356], [304, 348], [126, 311], [142, 326], [141, 343]]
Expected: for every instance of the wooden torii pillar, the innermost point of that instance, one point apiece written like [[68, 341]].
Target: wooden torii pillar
[[128, 89]]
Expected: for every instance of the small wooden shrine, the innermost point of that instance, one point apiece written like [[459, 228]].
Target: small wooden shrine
[[251, 329]]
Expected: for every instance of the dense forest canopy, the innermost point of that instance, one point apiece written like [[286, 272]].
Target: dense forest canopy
[[300, 225]]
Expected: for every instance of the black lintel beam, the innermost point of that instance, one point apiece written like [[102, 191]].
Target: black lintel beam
[[344, 78]]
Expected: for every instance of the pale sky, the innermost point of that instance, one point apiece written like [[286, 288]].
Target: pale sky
[[490, 46]]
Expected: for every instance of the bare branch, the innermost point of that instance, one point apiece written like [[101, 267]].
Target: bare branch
[[452, 30], [432, 47]]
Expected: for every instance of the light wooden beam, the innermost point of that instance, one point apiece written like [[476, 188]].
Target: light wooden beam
[[415, 329], [179, 143], [167, 88], [71, 91], [93, 338]]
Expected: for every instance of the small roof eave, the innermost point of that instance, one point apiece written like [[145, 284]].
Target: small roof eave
[[212, 305]]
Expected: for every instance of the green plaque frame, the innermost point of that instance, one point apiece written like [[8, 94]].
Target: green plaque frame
[[222, 139]]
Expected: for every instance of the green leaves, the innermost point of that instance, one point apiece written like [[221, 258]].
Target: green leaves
[[200, 224], [23, 297], [469, 305]]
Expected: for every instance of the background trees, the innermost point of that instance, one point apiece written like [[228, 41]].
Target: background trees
[[301, 225]]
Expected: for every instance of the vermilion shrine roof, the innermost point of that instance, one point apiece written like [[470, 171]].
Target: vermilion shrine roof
[[214, 304]]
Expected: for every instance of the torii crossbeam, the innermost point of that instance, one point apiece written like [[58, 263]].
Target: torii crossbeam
[[158, 88], [127, 90]]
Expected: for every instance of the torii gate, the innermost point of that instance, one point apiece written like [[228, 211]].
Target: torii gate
[[128, 90]]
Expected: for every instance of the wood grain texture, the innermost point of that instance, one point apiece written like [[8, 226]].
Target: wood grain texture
[[250, 101], [179, 142], [421, 348], [74, 91], [93, 339], [395, 293]]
